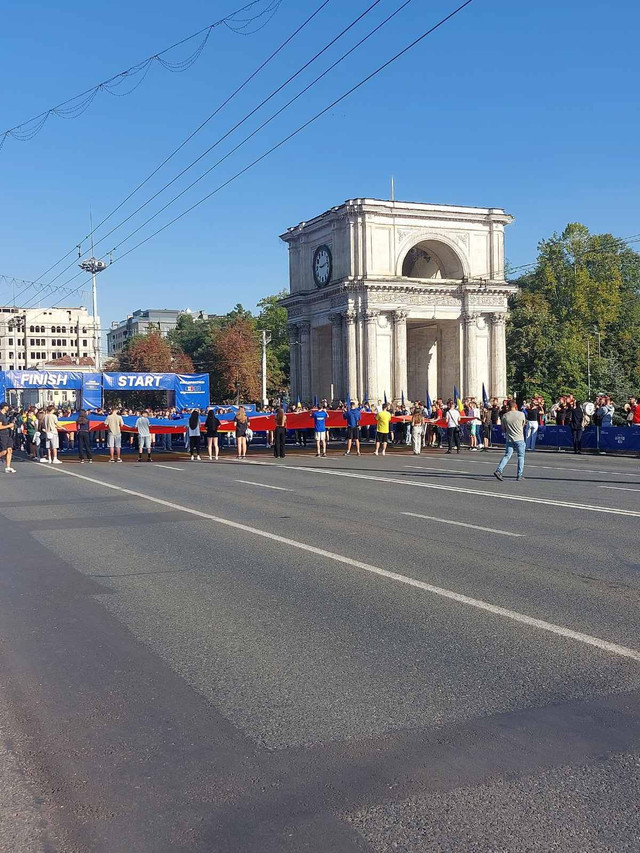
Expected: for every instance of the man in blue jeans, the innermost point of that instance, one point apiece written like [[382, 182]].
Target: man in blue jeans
[[513, 423]]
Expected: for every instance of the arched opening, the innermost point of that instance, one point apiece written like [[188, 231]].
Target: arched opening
[[432, 259]]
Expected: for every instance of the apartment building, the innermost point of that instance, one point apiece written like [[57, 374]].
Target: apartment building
[[30, 337]]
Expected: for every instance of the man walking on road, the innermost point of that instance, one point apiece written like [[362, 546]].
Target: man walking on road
[[513, 423], [6, 438], [114, 424], [383, 419], [51, 428]]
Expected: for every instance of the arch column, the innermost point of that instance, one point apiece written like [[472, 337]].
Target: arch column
[[399, 354], [470, 383], [294, 360], [371, 379], [337, 349], [304, 330], [350, 319], [498, 355]]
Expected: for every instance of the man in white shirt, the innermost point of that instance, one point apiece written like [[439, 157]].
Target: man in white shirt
[[114, 424], [452, 417], [144, 435]]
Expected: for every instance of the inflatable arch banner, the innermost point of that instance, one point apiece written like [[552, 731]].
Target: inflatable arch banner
[[191, 390]]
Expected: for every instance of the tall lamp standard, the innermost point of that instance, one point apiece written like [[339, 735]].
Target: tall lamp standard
[[94, 267]]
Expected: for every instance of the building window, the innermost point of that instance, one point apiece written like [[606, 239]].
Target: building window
[[32, 328], [33, 356], [84, 343], [10, 354], [10, 342]]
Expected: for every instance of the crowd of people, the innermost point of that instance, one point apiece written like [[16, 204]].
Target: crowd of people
[[39, 433]]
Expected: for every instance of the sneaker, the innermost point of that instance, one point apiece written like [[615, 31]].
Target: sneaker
[[91, 462], [358, 453], [324, 455], [473, 449], [199, 458], [112, 460], [348, 453], [498, 475], [82, 461], [520, 478], [119, 460], [57, 462], [375, 452], [44, 459], [448, 451], [317, 455]]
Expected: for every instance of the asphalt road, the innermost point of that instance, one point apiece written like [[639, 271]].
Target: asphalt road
[[326, 655]]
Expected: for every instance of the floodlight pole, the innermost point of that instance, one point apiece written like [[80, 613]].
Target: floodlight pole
[[94, 267]]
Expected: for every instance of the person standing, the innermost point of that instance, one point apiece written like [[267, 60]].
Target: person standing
[[242, 425], [51, 427], [532, 415], [280, 434], [83, 438], [320, 427], [194, 436], [6, 438], [383, 419], [31, 429], [417, 429], [352, 417], [475, 425], [452, 418], [212, 425], [513, 423], [485, 417], [114, 424], [575, 421], [144, 435]]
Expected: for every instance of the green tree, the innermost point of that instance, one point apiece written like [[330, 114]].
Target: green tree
[[585, 287]]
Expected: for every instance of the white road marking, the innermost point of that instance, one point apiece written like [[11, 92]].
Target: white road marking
[[264, 485], [460, 490], [619, 488], [513, 615], [462, 524], [171, 467], [557, 467], [441, 470]]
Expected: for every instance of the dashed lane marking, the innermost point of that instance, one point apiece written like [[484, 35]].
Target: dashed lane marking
[[463, 524], [478, 604]]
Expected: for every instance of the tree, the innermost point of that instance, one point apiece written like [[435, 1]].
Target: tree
[[151, 353], [237, 360], [273, 317], [585, 287]]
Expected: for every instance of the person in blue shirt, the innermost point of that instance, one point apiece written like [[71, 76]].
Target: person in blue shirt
[[352, 417], [320, 426]]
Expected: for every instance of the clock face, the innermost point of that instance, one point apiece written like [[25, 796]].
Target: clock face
[[322, 266]]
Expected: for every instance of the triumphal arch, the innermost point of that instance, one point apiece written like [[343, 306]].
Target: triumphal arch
[[397, 298]]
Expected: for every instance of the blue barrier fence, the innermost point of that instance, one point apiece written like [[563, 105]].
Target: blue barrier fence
[[621, 439]]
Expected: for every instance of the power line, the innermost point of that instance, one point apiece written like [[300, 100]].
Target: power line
[[254, 74], [75, 106], [302, 127], [254, 132]]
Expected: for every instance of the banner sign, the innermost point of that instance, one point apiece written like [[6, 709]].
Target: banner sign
[[192, 390], [22, 379], [138, 381], [91, 390]]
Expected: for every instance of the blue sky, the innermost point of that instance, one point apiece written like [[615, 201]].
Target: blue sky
[[528, 106]]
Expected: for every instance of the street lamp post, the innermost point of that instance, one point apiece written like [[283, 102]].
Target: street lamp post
[[94, 267], [266, 339]]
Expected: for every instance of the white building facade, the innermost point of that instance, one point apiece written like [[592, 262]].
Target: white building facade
[[399, 299], [30, 337]]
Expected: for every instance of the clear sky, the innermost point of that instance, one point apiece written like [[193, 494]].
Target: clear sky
[[528, 106]]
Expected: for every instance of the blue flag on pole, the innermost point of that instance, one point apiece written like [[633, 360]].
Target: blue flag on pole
[[485, 399], [403, 399], [385, 398], [315, 402], [429, 405], [348, 401]]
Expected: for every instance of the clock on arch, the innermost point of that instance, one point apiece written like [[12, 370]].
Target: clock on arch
[[322, 266]]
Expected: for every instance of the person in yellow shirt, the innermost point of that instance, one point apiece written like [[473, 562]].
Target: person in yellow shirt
[[383, 419]]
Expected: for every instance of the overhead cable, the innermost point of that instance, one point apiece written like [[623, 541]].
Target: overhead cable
[[78, 104]]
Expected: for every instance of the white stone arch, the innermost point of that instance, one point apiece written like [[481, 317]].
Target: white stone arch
[[451, 254]]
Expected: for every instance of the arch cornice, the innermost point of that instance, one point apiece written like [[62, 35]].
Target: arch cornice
[[420, 236]]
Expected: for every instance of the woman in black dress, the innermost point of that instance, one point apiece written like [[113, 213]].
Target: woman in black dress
[[212, 425], [280, 434]]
